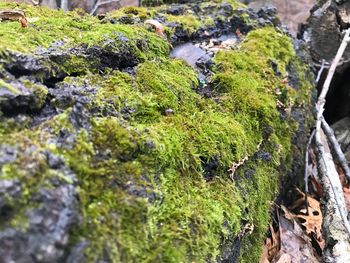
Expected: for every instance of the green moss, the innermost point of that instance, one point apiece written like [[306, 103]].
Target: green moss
[[165, 163], [249, 85], [189, 22], [170, 82], [132, 12], [40, 93], [268, 43], [7, 86], [152, 167], [74, 30]]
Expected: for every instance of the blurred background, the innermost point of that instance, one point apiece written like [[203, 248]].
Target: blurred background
[[292, 13]]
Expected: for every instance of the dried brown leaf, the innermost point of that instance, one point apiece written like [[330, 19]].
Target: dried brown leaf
[[159, 29], [271, 246], [14, 15], [295, 242], [310, 217]]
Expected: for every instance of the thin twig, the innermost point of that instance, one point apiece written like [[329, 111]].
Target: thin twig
[[100, 3], [35, 2], [327, 169], [319, 74], [306, 171], [336, 149], [326, 166]]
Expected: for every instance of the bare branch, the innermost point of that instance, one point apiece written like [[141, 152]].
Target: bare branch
[[319, 74], [336, 149], [100, 3], [329, 173], [335, 203], [35, 2], [306, 171]]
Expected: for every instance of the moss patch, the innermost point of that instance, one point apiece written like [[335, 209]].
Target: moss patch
[[151, 154]]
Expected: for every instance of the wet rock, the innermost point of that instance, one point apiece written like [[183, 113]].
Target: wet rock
[[54, 161], [175, 10], [263, 155], [21, 95], [189, 52], [8, 154], [231, 251], [46, 113], [237, 22], [25, 64], [9, 190], [269, 15], [225, 9], [79, 117], [66, 95], [143, 191], [77, 253], [42, 235], [210, 168], [51, 222]]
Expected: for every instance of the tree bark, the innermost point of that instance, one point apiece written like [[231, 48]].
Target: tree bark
[[324, 30]]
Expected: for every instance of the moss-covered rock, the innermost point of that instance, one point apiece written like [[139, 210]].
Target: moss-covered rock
[[119, 157]]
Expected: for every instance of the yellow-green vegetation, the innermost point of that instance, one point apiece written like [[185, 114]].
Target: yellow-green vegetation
[[189, 21], [234, 3], [7, 86], [74, 30], [142, 165]]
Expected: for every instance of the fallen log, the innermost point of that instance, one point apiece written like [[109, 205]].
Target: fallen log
[[112, 150]]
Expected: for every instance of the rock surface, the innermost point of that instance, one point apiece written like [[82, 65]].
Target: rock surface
[[111, 151]]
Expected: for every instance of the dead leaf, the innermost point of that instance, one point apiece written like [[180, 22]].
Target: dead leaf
[[285, 80], [23, 21], [159, 29], [14, 15], [238, 32], [310, 217], [271, 246], [295, 242]]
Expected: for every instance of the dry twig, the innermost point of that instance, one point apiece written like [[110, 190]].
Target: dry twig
[[100, 3], [306, 171], [335, 202], [336, 149], [35, 2], [319, 74]]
